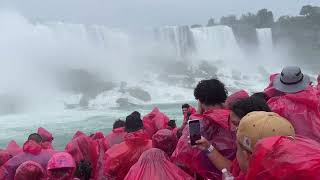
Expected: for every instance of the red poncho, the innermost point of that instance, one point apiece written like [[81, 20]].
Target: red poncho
[[116, 136], [120, 157], [283, 158], [4, 157], [47, 138], [214, 127], [155, 121], [235, 97], [84, 148], [154, 164], [302, 110], [29, 171], [270, 91], [165, 140], [31, 152], [65, 163], [13, 148]]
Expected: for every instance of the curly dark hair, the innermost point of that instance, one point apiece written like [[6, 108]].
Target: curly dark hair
[[118, 124], [245, 106], [185, 106], [84, 170], [211, 92], [261, 95]]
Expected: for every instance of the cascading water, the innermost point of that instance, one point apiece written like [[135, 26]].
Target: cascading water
[[216, 43], [265, 40], [179, 38]]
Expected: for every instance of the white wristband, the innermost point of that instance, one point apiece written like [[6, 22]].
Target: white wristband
[[210, 149]]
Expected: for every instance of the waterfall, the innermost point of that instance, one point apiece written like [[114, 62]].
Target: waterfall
[[265, 40], [206, 43], [178, 38], [216, 43]]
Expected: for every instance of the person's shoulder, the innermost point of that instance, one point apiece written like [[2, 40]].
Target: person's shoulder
[[117, 150]]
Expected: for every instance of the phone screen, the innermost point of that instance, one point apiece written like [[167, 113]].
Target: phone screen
[[194, 129]]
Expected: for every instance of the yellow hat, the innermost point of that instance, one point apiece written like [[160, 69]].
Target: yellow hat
[[258, 125]]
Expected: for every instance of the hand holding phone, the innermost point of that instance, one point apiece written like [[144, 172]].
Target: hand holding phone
[[194, 130]]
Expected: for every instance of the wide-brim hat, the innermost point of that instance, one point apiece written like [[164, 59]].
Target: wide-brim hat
[[291, 80]]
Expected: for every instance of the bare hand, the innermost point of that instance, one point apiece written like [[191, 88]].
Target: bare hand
[[202, 144]]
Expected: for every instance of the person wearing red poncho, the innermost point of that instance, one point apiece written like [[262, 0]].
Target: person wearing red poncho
[[85, 151], [116, 136], [187, 111], [30, 171], [120, 157], [165, 140], [238, 111], [61, 167], [155, 164], [13, 148], [214, 119], [32, 151], [256, 126], [154, 121], [299, 102], [47, 138], [285, 158], [235, 97]]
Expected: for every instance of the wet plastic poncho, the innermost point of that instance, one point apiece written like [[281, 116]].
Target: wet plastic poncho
[[215, 127], [83, 147], [270, 91], [47, 138], [64, 161], [99, 138], [30, 171], [286, 159], [120, 157], [154, 164], [13, 148], [98, 135], [116, 136], [302, 110], [235, 97], [4, 157], [31, 152], [155, 121], [165, 140]]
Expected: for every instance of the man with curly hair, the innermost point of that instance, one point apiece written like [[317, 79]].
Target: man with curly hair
[[211, 95]]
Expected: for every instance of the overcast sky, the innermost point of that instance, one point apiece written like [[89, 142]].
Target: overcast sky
[[133, 13]]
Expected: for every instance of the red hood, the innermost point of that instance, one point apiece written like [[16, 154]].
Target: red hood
[[78, 134], [98, 135], [46, 135], [32, 147], [219, 116], [235, 97], [13, 148], [137, 138]]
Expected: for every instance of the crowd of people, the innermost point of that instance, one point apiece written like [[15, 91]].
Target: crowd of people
[[273, 134]]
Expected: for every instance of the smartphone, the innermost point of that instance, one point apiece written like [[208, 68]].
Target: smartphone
[[194, 130]]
